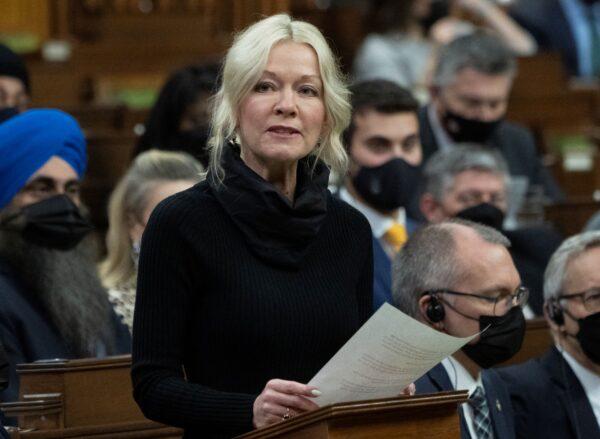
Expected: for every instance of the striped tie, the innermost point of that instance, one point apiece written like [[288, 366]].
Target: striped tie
[[481, 415]]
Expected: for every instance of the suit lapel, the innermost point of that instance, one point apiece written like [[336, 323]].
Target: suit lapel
[[574, 400], [497, 404], [440, 379]]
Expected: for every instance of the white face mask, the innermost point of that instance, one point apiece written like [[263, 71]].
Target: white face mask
[[135, 253]]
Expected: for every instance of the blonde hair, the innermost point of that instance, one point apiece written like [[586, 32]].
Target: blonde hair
[[244, 64], [128, 202]]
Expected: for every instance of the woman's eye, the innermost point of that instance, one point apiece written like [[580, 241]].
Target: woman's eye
[[309, 91], [262, 87]]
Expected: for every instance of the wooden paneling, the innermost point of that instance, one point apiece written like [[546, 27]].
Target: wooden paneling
[[31, 16]]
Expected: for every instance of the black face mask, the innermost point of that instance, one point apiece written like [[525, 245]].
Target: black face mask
[[484, 213], [388, 186], [501, 341], [55, 222], [194, 142], [7, 113], [589, 336], [461, 129]]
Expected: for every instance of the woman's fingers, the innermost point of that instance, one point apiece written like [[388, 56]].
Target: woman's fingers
[[293, 388], [281, 399]]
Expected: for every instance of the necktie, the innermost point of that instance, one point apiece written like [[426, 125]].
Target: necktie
[[481, 415], [396, 236], [594, 40]]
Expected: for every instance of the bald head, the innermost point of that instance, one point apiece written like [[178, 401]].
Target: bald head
[[445, 256]]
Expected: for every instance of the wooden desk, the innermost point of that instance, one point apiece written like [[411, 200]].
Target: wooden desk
[[85, 398], [420, 416]]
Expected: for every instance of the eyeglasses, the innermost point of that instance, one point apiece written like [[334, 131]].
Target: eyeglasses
[[501, 304], [590, 299]]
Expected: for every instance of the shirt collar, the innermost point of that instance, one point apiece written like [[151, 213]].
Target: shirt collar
[[459, 376], [379, 223], [588, 379]]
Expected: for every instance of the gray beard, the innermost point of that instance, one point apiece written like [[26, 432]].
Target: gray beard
[[66, 285]]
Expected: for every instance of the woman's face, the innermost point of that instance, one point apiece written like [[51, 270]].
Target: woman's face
[[159, 192], [282, 118]]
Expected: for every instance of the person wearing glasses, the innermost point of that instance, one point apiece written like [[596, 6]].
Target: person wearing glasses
[[472, 182], [558, 394], [458, 278]]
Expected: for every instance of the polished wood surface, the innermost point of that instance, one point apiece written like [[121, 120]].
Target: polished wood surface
[[84, 398], [431, 416]]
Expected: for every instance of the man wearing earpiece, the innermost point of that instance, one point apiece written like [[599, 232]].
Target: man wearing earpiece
[[558, 395], [458, 277]]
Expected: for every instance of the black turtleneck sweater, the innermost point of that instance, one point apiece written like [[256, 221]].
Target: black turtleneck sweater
[[231, 317]]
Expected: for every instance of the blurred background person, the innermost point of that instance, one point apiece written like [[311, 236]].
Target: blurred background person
[[469, 99], [15, 93], [53, 304], [403, 36], [558, 395], [179, 120], [153, 176], [471, 182], [569, 27], [262, 273], [458, 278], [382, 142]]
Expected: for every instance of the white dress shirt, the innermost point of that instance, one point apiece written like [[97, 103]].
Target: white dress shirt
[[461, 379], [589, 380]]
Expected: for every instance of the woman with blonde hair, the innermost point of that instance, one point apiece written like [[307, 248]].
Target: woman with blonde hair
[[253, 279], [152, 177]]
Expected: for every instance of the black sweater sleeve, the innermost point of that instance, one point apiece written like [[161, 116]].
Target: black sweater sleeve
[[162, 313]]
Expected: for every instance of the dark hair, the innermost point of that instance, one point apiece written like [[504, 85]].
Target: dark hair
[[12, 65], [382, 96], [181, 90], [389, 15], [385, 16]]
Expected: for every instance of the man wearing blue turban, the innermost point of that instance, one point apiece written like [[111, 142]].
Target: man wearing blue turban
[[52, 304]]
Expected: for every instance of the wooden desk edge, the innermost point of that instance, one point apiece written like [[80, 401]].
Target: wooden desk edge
[[342, 410]]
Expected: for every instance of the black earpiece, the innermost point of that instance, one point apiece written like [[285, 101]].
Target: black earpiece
[[555, 312], [435, 310]]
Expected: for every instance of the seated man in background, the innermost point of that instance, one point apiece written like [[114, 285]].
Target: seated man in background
[[14, 84], [558, 395], [469, 98], [565, 26], [52, 304], [383, 145], [470, 182], [458, 278]]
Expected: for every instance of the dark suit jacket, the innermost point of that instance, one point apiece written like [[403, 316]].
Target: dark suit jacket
[[531, 249], [515, 143], [382, 270], [548, 400], [545, 20], [28, 335], [496, 394]]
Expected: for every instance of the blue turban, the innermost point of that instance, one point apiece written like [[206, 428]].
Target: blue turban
[[29, 140]]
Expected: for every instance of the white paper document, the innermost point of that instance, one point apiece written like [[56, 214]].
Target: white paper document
[[390, 351]]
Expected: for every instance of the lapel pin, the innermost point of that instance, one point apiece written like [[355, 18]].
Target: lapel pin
[[498, 405]]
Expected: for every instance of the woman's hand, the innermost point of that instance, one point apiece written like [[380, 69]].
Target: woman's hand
[[410, 390], [281, 399]]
